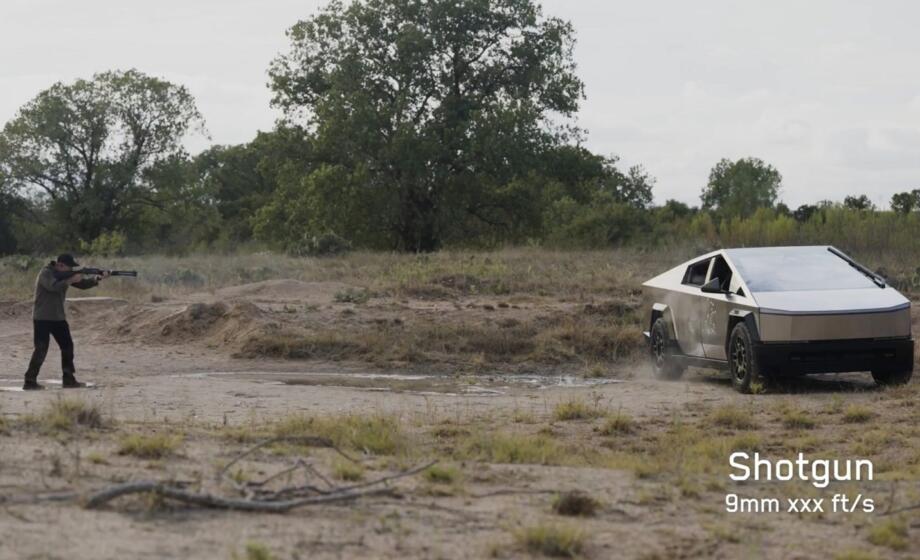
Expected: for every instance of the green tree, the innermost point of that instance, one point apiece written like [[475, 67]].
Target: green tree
[[426, 116], [906, 202], [860, 202], [82, 148], [739, 188], [804, 212], [8, 207]]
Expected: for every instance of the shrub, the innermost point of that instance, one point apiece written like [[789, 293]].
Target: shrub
[[110, 244], [576, 504], [324, 245]]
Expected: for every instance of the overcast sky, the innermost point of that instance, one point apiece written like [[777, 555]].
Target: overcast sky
[[828, 92]]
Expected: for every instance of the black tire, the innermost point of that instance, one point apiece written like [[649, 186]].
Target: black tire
[[742, 363], [661, 347], [886, 378]]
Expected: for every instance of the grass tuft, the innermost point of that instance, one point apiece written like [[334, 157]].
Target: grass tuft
[[855, 414], [255, 551], [575, 409], [618, 424], [794, 419], [142, 446], [555, 541], [732, 417], [347, 470], [68, 415], [499, 447], [376, 434], [442, 474], [891, 534]]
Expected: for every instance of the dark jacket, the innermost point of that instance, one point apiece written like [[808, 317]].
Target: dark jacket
[[51, 293]]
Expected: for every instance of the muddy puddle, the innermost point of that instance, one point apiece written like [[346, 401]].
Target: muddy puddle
[[417, 384]]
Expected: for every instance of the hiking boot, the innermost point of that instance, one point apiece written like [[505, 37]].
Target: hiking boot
[[32, 385], [70, 382]]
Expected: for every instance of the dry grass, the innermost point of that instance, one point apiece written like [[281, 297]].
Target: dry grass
[[796, 419], [67, 415], [732, 417], [554, 541], [376, 434], [856, 414], [503, 447], [464, 340], [575, 408], [254, 551], [442, 474], [618, 424], [446, 274], [891, 534], [347, 470], [152, 446]]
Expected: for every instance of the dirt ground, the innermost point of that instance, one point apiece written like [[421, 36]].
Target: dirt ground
[[660, 482]]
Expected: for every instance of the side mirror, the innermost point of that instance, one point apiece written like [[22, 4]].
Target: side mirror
[[714, 286]]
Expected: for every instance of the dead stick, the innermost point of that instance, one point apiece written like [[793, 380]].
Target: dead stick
[[219, 502], [307, 440]]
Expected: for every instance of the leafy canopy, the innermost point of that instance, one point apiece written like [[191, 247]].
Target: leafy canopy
[[739, 188], [83, 148], [422, 114]]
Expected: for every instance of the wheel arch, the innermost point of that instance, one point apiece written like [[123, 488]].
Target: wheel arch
[[661, 310], [745, 316]]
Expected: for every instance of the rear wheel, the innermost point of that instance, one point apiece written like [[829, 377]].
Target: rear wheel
[[892, 377], [664, 362], [742, 363]]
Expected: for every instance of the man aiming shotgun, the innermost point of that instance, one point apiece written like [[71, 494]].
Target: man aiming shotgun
[[48, 318]]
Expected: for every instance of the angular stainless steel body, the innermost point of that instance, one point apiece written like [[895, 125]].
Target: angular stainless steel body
[[802, 302]]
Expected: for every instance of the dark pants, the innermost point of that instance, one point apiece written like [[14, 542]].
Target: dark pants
[[43, 332]]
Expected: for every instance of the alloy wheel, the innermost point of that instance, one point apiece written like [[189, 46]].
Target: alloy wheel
[[739, 359]]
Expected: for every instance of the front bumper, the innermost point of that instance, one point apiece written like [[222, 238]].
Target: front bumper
[[791, 358]]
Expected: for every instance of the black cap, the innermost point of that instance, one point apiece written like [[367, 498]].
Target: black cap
[[67, 259]]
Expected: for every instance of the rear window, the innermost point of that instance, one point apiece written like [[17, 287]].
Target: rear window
[[795, 269]]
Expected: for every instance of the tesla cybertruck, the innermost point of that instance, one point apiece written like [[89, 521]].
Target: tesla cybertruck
[[778, 311]]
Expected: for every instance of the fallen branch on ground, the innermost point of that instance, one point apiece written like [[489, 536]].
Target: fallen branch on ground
[[165, 490]]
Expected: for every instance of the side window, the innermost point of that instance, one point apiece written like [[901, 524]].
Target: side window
[[723, 272], [696, 273]]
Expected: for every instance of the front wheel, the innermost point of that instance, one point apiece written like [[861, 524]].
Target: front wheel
[[664, 362], [742, 362], [892, 377]]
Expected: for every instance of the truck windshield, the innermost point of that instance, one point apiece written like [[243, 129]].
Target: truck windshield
[[793, 269]]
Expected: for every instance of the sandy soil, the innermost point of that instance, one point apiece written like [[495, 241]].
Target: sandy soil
[[169, 365]]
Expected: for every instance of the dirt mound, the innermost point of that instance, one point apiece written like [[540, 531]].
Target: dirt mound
[[216, 324], [285, 290]]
